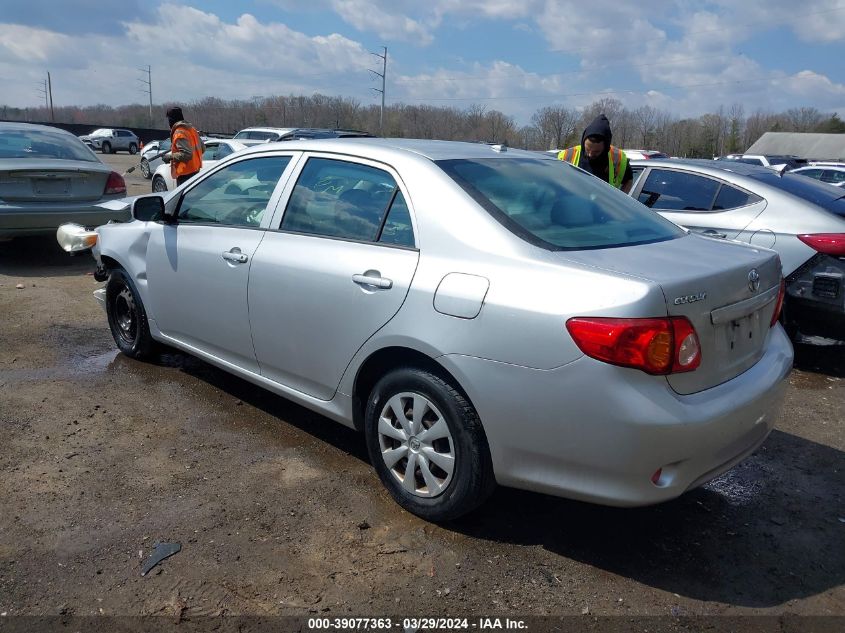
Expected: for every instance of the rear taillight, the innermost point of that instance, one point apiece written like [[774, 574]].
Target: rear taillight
[[778, 303], [656, 346], [115, 184], [827, 243]]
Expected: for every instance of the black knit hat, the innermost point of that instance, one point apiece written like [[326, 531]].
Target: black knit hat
[[174, 114]]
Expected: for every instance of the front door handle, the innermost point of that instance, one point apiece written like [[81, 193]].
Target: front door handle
[[712, 233], [235, 255], [377, 282]]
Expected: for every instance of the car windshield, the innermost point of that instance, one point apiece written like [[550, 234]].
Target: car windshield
[[556, 207], [823, 194], [101, 132], [43, 144]]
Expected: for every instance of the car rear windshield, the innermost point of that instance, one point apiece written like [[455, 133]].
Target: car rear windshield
[[823, 194], [555, 206], [43, 144]]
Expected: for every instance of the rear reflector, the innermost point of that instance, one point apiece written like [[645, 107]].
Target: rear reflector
[[828, 243], [656, 346], [115, 184], [655, 478], [779, 303]]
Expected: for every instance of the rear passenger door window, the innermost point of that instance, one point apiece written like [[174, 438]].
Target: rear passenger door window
[[732, 198], [678, 191], [347, 200]]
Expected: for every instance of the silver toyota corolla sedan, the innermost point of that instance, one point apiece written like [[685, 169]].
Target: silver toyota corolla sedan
[[483, 315], [803, 220]]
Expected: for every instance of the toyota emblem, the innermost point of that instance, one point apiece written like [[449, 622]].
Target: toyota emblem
[[754, 280]]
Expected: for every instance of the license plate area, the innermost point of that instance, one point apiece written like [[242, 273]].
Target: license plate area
[[741, 336], [51, 186]]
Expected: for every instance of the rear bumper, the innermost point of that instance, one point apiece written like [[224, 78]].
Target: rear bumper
[[44, 219], [815, 302], [597, 432]]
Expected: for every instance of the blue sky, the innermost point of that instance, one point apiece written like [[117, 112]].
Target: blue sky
[[685, 56]]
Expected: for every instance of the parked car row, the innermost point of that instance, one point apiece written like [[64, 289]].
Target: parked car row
[[803, 220]]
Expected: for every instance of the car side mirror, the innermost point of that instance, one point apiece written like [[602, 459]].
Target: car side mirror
[[149, 209]]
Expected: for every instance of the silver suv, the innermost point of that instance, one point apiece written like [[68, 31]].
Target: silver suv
[[109, 140]]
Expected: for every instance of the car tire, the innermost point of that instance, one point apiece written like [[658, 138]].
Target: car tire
[[133, 148], [145, 168], [106, 148], [441, 488], [159, 185], [127, 316]]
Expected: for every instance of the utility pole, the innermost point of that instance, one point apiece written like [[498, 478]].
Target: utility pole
[[50, 90], [148, 82], [383, 75], [42, 90]]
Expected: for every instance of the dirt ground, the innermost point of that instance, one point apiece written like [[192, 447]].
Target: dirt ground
[[278, 511]]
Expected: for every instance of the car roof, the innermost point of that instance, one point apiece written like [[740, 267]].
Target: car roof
[[432, 150], [714, 166], [820, 166], [22, 127]]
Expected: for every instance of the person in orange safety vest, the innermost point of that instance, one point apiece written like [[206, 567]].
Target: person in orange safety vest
[[186, 148]]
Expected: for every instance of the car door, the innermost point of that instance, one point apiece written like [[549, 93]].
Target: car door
[[198, 268], [337, 269], [700, 203]]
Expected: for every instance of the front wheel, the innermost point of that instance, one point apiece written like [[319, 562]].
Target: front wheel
[[159, 186], [133, 149], [427, 445], [107, 148], [127, 317]]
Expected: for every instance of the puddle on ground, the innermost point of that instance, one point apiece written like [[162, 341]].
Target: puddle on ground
[[74, 366], [742, 484]]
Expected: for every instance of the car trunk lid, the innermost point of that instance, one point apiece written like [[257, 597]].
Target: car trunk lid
[[727, 290], [52, 181]]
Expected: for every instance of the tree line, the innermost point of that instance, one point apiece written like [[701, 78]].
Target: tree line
[[728, 130]]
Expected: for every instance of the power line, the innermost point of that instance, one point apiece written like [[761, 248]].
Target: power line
[[487, 77], [600, 92]]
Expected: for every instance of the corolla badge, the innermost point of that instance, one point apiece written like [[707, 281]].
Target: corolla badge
[[679, 301], [754, 280]]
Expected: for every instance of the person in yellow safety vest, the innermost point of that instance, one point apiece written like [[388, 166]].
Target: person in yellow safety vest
[[186, 148], [597, 156]]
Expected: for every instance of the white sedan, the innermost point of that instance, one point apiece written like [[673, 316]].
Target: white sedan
[[215, 151]]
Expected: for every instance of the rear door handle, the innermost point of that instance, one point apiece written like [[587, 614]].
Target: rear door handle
[[712, 233], [377, 282], [235, 255]]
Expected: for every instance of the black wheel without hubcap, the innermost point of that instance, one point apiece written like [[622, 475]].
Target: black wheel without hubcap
[[427, 445], [159, 186], [127, 317]]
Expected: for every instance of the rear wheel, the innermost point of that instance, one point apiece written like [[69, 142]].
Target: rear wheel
[[159, 186], [107, 148], [133, 148], [127, 317], [427, 445]]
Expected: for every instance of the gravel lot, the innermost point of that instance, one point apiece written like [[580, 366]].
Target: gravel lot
[[278, 511]]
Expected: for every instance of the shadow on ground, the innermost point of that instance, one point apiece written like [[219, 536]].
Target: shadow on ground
[[41, 257], [769, 531], [828, 360]]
